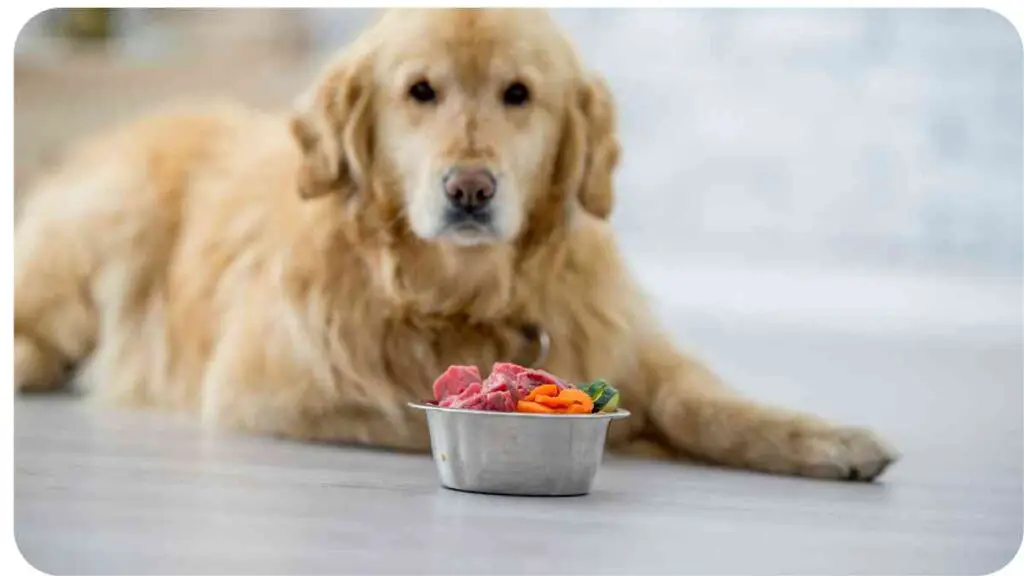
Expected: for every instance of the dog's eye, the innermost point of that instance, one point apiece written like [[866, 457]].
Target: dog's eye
[[516, 94], [422, 92]]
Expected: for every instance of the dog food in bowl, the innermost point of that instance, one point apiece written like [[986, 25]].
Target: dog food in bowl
[[519, 431], [513, 388]]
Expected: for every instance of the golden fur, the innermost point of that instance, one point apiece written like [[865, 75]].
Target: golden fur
[[275, 273]]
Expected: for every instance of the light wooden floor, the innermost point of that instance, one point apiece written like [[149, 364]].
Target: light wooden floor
[[135, 493]]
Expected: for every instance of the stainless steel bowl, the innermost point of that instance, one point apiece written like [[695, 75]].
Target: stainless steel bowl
[[515, 453]]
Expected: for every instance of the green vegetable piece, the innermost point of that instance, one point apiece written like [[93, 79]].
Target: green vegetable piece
[[595, 389], [604, 395], [611, 405]]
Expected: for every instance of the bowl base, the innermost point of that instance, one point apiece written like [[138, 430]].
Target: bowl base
[[573, 494]]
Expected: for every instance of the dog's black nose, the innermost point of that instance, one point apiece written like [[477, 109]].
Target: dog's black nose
[[470, 189]]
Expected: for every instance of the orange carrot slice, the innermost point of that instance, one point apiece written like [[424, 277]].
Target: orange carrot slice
[[551, 401], [576, 396], [544, 389], [533, 407], [548, 399]]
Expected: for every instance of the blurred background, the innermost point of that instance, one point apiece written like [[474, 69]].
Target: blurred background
[[860, 168], [826, 205]]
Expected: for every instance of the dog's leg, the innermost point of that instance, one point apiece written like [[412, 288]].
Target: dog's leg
[[37, 367], [312, 416], [92, 243], [55, 322], [697, 415], [272, 374]]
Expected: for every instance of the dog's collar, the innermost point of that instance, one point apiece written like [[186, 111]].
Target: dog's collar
[[536, 334]]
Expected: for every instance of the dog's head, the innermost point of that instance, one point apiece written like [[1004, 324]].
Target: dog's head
[[471, 122]]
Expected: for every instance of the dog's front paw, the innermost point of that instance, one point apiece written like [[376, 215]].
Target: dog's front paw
[[845, 453]]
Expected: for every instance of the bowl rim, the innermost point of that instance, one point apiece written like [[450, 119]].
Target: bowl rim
[[617, 415]]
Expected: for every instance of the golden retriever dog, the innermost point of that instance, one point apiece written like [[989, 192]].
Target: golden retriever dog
[[439, 196]]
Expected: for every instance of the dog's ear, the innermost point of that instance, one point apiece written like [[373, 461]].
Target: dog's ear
[[590, 147], [332, 125]]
